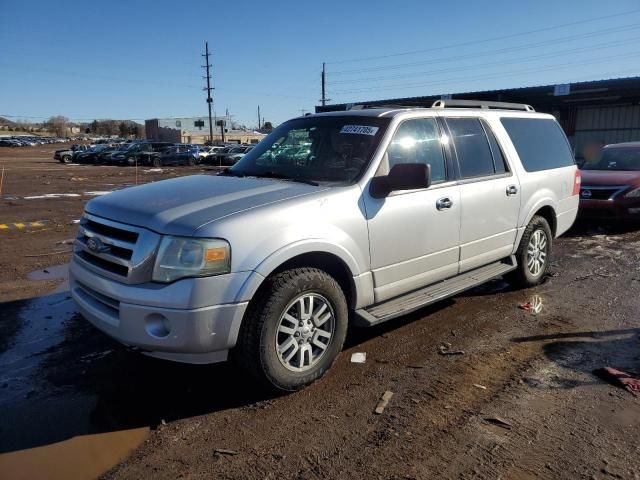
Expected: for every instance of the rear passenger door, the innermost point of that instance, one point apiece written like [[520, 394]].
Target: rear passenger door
[[489, 193]]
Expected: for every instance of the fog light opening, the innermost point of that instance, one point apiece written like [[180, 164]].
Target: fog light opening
[[157, 325]]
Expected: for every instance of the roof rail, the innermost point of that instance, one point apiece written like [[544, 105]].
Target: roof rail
[[482, 104], [367, 106]]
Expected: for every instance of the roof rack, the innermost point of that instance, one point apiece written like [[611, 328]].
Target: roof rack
[[367, 106], [482, 104]]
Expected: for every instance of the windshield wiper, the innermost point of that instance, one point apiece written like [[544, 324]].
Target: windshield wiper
[[227, 172]]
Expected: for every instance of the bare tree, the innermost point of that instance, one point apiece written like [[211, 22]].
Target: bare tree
[[58, 124]]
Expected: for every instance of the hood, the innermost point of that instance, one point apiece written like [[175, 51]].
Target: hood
[[181, 205], [610, 177]]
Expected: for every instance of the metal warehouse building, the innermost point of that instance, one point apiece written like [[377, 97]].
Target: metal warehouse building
[[601, 111]]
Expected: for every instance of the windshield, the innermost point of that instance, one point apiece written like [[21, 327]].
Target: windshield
[[333, 150], [617, 159]]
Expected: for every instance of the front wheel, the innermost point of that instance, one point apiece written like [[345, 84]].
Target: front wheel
[[294, 329], [533, 255], [156, 162]]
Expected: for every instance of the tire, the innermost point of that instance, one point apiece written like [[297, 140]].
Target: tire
[[266, 329], [156, 162], [65, 159], [533, 262]]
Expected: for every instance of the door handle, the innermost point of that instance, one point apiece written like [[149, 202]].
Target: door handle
[[512, 190], [444, 203]]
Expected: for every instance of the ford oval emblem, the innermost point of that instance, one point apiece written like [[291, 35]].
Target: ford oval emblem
[[95, 245]]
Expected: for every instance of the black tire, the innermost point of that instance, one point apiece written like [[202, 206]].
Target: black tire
[[66, 159], [156, 162], [522, 276], [256, 348]]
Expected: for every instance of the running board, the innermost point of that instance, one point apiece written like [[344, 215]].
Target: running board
[[415, 300]]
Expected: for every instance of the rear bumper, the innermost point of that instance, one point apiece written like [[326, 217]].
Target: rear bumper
[[610, 209], [198, 335]]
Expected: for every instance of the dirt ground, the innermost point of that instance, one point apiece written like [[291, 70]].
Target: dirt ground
[[32, 172], [519, 401]]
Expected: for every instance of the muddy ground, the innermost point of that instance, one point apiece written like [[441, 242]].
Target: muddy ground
[[520, 402]]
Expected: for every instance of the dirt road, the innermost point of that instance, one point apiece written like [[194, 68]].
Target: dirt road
[[520, 402]]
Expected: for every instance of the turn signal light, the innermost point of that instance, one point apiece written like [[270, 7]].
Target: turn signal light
[[214, 254]]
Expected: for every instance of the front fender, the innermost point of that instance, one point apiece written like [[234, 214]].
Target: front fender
[[286, 253]]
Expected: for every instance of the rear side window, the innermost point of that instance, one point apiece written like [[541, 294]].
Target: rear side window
[[472, 147], [540, 143]]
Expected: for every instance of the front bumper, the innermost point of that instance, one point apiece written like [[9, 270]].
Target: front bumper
[[617, 209], [193, 335]]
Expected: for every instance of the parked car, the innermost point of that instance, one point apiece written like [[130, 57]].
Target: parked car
[[230, 155], [393, 209], [207, 151], [176, 155], [66, 155], [90, 155], [140, 153], [611, 185]]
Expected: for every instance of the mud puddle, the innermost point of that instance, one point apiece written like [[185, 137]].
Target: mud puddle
[[76, 402]]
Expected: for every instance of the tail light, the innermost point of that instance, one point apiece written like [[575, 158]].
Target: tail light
[[577, 180]]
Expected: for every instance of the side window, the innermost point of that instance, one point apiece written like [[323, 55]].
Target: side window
[[540, 143], [472, 147], [498, 158], [418, 141]]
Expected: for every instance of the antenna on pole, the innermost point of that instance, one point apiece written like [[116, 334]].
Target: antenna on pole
[[259, 119], [208, 88], [323, 77]]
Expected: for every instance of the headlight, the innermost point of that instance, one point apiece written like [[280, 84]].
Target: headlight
[[180, 257], [635, 193]]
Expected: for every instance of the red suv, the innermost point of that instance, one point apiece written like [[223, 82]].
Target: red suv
[[611, 185]]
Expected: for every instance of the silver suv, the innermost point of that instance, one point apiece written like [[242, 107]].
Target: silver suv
[[333, 220]]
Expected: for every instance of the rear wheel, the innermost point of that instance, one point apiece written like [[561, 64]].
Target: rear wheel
[[156, 162], [534, 254], [294, 329]]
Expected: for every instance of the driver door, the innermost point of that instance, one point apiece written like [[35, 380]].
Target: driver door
[[414, 235]]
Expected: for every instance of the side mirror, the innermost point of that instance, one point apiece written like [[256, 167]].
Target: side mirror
[[404, 176]]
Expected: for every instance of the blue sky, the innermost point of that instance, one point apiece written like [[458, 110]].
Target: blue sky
[[141, 60]]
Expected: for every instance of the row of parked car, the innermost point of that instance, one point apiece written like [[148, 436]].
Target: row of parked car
[[28, 141], [154, 154]]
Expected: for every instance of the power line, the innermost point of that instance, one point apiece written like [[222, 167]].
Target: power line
[[485, 40], [597, 33], [558, 53], [490, 76]]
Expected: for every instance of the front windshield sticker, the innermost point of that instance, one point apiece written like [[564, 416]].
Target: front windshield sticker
[[359, 130]]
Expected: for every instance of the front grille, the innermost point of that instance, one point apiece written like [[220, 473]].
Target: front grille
[[104, 264], [117, 233], [115, 250], [598, 193]]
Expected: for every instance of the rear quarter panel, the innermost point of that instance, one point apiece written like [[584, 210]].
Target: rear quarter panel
[[546, 188]]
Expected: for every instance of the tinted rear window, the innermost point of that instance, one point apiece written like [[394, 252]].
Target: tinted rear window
[[540, 143]]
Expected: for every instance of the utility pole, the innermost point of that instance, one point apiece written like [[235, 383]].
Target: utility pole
[[208, 89], [259, 119], [323, 76]]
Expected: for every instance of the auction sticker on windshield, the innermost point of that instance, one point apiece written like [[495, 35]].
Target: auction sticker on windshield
[[359, 130]]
